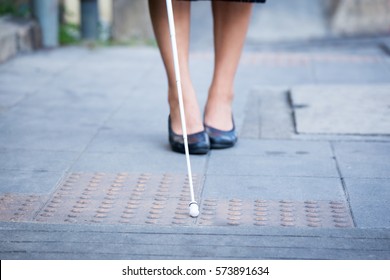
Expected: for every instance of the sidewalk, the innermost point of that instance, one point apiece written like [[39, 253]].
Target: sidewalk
[[86, 171]]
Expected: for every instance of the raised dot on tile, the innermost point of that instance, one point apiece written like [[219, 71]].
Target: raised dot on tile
[[208, 213], [261, 214], [108, 202], [261, 219], [153, 216], [314, 220], [101, 215], [129, 211], [206, 218], [128, 215], [178, 222], [235, 213], [288, 224], [314, 224], [180, 217]]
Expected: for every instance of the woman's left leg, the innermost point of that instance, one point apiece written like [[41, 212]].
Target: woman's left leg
[[231, 21]]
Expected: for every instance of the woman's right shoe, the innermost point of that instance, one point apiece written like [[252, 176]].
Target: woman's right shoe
[[198, 143], [221, 139]]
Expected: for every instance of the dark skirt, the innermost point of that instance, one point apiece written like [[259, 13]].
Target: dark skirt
[[245, 1]]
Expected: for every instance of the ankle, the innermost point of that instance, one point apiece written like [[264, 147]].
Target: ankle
[[194, 122]]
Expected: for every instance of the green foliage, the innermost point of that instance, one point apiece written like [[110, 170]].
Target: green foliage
[[69, 34], [19, 9]]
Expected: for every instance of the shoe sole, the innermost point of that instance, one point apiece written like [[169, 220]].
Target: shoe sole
[[192, 152], [222, 146]]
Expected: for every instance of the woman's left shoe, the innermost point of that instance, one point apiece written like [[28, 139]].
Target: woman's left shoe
[[198, 143], [221, 139]]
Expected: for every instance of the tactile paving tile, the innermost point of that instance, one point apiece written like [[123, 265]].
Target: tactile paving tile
[[162, 199], [19, 207], [285, 213], [121, 198]]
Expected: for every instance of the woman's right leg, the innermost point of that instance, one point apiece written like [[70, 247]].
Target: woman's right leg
[[181, 10]]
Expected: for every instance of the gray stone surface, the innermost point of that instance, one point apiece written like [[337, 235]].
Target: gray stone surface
[[369, 201], [28, 182], [360, 17], [363, 160], [342, 109], [358, 70], [162, 161], [33, 160], [38, 138], [17, 36], [30, 241], [105, 110], [276, 148], [260, 119], [300, 166], [272, 188]]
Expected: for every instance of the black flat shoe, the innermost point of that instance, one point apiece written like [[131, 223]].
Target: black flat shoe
[[221, 139], [198, 143]]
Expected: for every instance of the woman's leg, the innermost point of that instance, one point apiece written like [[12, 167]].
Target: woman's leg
[[231, 22], [181, 10]]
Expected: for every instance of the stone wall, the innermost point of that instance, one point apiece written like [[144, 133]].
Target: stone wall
[[359, 17], [18, 35], [131, 20]]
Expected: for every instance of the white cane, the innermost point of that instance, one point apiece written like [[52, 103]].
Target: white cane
[[194, 208]]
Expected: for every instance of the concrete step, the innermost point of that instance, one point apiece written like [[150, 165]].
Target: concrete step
[[38, 241], [17, 35]]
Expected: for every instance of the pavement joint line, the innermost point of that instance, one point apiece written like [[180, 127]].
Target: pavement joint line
[[290, 103]]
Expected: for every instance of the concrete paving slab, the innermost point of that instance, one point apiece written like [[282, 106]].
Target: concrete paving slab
[[275, 148], [162, 161], [277, 75], [369, 199], [369, 70], [363, 160], [125, 140], [9, 98], [9, 80], [296, 166], [367, 149], [62, 111], [260, 120], [272, 188], [38, 138], [342, 109], [34, 160], [28, 182]]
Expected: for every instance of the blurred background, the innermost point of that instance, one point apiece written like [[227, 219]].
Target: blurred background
[[51, 23]]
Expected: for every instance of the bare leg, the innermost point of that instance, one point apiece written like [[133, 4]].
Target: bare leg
[[158, 13], [231, 22]]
